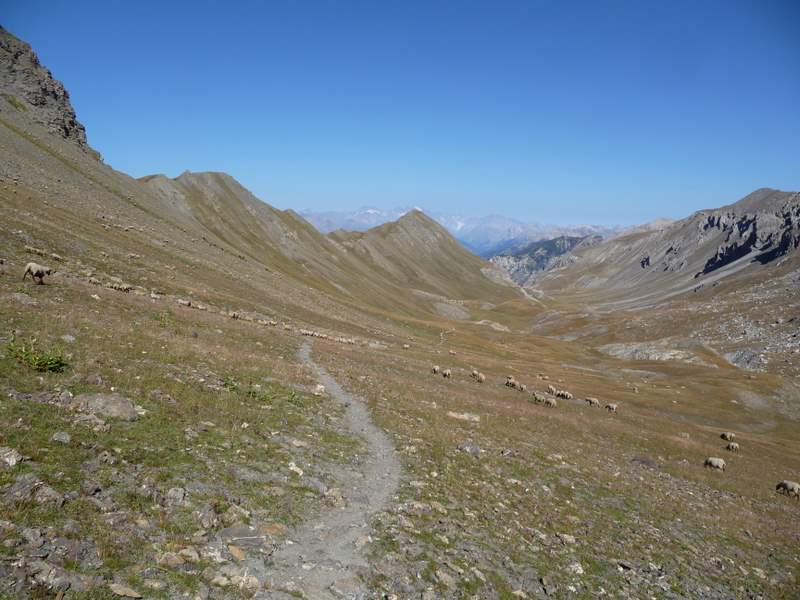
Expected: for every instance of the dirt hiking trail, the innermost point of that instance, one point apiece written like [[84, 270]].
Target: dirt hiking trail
[[321, 559]]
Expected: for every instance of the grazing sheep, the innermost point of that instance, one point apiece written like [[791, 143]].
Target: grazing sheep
[[732, 447], [790, 488], [550, 403], [36, 271], [447, 374], [551, 390], [563, 394], [511, 382], [539, 398], [592, 401], [712, 462], [478, 376], [727, 436], [612, 408], [435, 370], [522, 387]]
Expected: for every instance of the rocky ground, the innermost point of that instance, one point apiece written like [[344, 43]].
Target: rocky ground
[[158, 464]]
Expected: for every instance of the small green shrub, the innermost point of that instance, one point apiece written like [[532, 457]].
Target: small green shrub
[[40, 359], [230, 384]]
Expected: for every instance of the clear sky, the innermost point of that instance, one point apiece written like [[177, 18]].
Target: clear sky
[[565, 112]]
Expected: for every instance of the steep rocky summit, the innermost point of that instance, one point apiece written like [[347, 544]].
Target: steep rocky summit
[[29, 87]]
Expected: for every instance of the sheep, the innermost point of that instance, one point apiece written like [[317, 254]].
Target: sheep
[[713, 462], [447, 373], [522, 387], [36, 271], [550, 403], [539, 398], [727, 436], [611, 407], [551, 390], [511, 382], [478, 376], [732, 447], [563, 394], [790, 488], [592, 401], [435, 370], [474, 374]]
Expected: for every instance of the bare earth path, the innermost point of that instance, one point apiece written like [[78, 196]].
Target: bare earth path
[[323, 560]]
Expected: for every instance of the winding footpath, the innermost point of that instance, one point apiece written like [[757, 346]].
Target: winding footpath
[[322, 559]]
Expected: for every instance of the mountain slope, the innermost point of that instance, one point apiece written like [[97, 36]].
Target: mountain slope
[[522, 263], [702, 248], [416, 252]]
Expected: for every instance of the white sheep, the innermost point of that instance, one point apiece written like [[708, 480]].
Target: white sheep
[[727, 436], [522, 387], [713, 462], [790, 488], [732, 447], [447, 373], [435, 370], [550, 402], [539, 398], [478, 376], [551, 390], [611, 407], [36, 271], [592, 401]]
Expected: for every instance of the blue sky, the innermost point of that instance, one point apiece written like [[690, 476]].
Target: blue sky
[[565, 112]]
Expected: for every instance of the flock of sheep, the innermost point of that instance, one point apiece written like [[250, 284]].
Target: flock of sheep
[[790, 488]]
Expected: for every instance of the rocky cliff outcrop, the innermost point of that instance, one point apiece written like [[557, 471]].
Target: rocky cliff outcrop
[[521, 264], [767, 234], [28, 87]]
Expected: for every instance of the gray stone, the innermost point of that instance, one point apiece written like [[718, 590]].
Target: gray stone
[[111, 405], [61, 436], [470, 448], [9, 457]]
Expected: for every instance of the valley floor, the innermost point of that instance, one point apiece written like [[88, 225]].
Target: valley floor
[[229, 454]]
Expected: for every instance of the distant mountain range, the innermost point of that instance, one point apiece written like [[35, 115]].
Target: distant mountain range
[[485, 236]]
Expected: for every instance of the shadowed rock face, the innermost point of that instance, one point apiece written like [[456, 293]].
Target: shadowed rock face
[[769, 232], [29, 87]]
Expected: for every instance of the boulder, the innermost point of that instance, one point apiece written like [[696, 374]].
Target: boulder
[[113, 405]]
